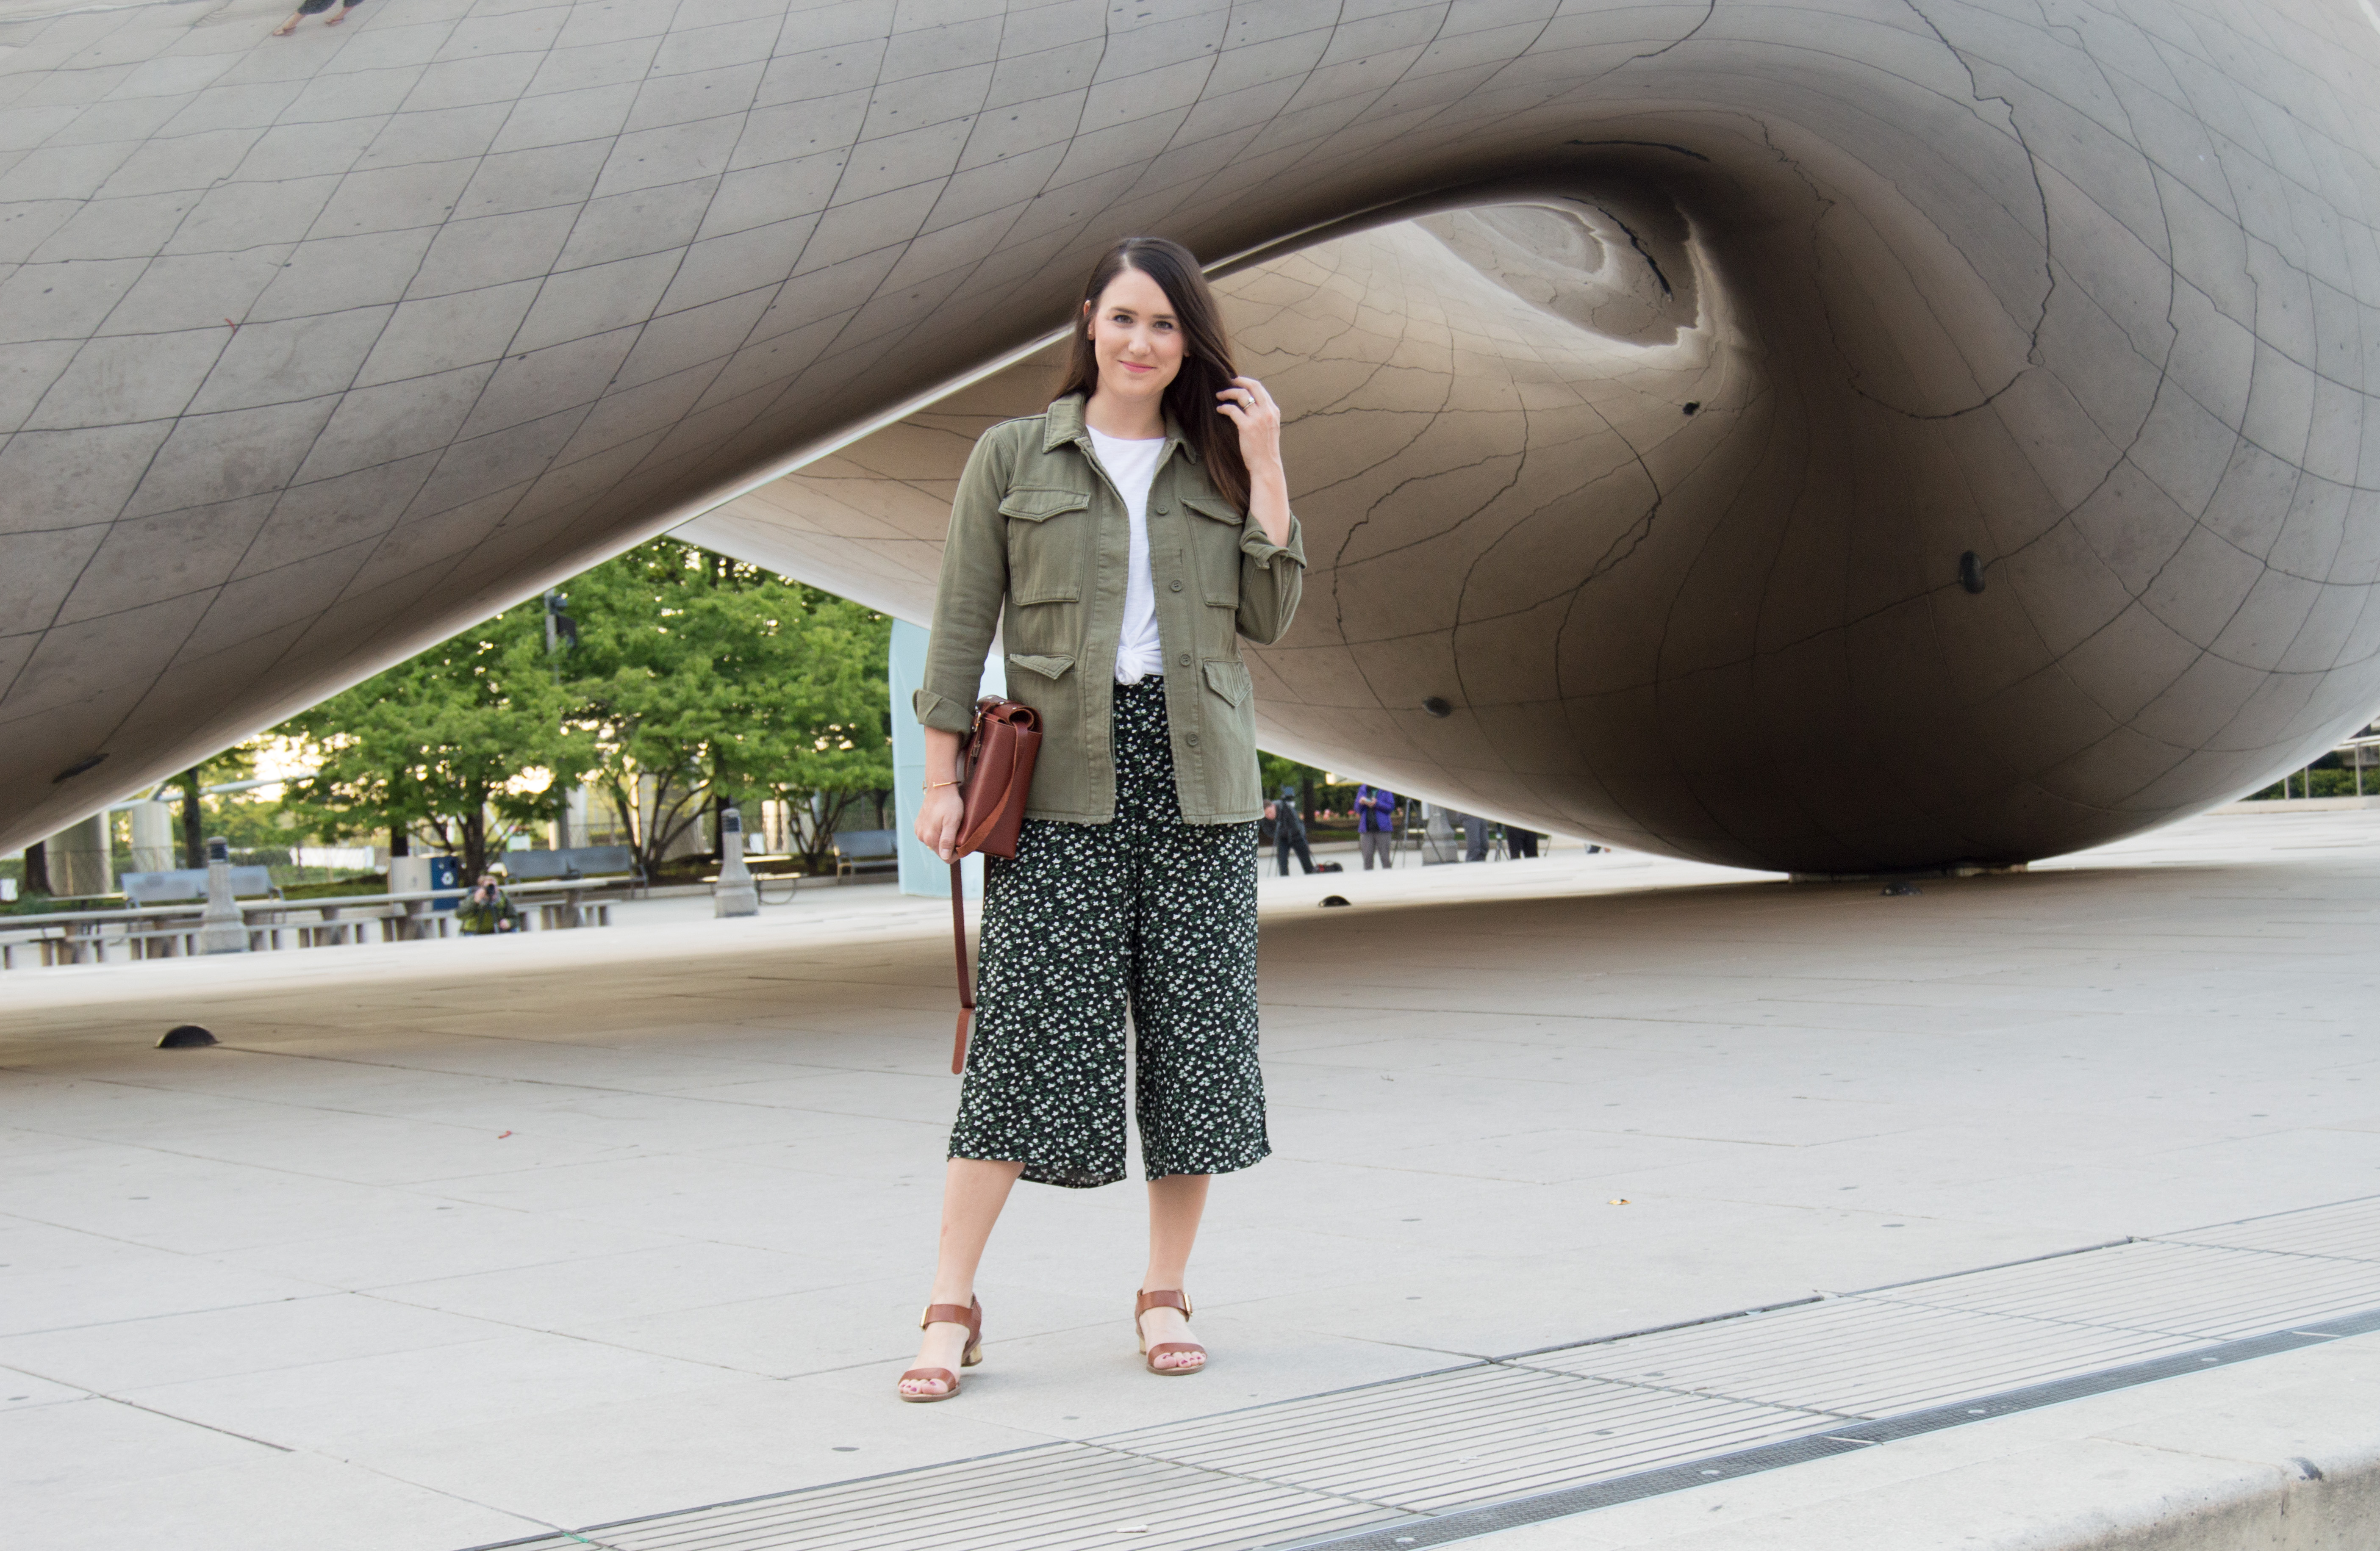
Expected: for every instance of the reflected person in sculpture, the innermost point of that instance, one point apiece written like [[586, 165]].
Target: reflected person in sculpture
[[316, 7], [1124, 542]]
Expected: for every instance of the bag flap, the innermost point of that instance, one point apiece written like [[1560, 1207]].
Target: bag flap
[[1215, 506], [1035, 502], [999, 759], [1047, 667], [1229, 680]]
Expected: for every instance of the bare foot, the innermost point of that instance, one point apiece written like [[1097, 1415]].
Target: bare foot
[[1162, 1324], [334, 20], [285, 28], [944, 1345]]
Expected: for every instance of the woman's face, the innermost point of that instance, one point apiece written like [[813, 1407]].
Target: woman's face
[[1136, 337]]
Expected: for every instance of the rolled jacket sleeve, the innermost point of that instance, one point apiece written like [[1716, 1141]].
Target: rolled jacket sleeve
[[969, 597], [1272, 578]]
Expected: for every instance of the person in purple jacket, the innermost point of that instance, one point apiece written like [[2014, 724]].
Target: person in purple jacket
[[1376, 825]]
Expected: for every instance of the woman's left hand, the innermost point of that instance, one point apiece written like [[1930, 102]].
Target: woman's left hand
[[1252, 410]]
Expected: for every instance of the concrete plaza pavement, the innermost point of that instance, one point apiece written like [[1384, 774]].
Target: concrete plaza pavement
[[457, 1242]]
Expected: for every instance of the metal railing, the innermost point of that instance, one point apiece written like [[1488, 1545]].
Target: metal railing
[[2352, 748], [163, 931]]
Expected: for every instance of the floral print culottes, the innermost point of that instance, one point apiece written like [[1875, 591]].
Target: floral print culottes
[[1147, 911]]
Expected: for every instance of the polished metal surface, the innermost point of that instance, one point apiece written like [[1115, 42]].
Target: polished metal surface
[[1445, 1456], [1655, 369]]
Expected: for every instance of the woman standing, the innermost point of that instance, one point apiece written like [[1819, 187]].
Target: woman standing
[[1123, 542]]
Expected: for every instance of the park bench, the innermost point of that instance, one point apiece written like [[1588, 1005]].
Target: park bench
[[181, 884], [862, 851]]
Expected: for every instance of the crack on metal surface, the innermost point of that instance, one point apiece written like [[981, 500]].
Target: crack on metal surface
[[1649, 145]]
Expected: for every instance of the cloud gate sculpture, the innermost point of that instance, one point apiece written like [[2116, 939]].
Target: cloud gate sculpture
[[1836, 438]]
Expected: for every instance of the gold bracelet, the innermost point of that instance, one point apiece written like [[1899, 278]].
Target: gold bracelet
[[931, 784]]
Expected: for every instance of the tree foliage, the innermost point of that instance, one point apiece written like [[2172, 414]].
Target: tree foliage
[[235, 763], [694, 679], [475, 727], [704, 678]]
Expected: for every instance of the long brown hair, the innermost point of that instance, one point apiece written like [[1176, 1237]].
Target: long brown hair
[[1206, 367]]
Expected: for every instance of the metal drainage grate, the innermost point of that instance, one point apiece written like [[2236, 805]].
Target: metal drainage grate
[[2349, 1231], [1468, 1434], [1058, 1497], [2182, 1289], [1859, 1357], [1466, 1452]]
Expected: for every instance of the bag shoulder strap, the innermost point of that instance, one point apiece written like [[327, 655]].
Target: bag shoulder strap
[[966, 982], [967, 747]]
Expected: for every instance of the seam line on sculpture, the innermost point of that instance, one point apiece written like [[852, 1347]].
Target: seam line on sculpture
[[788, 382], [2163, 370], [2041, 193], [1339, 22], [906, 245], [1317, 143], [1770, 431], [380, 335], [586, 410], [1214, 59], [380, 540], [2198, 519]]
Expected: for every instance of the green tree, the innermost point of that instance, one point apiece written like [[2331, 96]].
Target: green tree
[[706, 680], [444, 742], [236, 763]]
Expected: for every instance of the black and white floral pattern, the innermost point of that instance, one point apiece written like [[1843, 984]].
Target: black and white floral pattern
[[1148, 910]]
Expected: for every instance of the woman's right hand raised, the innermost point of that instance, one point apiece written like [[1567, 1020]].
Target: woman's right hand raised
[[938, 818]]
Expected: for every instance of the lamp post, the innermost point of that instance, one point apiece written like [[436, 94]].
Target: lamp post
[[221, 930], [734, 893]]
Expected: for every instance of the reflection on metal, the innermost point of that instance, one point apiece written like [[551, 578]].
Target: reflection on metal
[[1651, 370]]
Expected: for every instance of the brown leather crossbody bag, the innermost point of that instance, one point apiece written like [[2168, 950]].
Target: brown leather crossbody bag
[[995, 777]]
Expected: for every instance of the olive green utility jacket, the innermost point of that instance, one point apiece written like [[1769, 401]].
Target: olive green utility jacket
[[1039, 545]]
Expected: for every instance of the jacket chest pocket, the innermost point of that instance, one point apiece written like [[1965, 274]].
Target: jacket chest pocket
[[1215, 548], [1048, 535]]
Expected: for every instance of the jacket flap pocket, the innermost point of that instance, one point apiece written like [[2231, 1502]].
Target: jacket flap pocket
[[1229, 680], [1034, 502], [1047, 667], [1045, 592], [1215, 506]]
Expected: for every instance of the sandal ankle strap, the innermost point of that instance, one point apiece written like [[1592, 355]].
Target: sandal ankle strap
[[1171, 1300], [950, 1314]]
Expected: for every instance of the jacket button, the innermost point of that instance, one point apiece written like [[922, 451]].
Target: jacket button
[[1161, 511], [1192, 740], [1183, 660], [1173, 586]]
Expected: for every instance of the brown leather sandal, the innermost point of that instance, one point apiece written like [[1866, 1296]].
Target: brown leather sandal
[[947, 1314], [1149, 1354]]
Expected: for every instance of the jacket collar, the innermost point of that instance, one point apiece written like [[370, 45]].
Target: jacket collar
[[1062, 424]]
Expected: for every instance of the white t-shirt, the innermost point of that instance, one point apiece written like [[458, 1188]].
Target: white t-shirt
[[1133, 467]]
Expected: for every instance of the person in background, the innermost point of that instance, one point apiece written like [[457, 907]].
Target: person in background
[[1475, 838], [315, 8], [1523, 842], [486, 909], [1376, 825], [1288, 832]]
